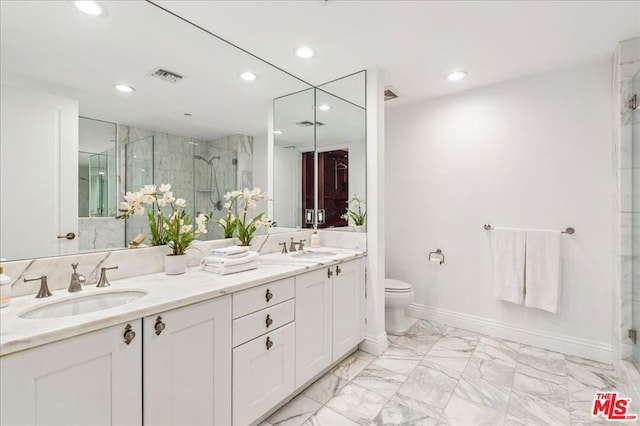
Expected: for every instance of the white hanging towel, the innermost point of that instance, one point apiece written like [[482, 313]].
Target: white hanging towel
[[508, 264], [543, 270]]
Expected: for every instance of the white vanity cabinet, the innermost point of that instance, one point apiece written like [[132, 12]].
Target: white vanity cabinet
[[187, 365], [348, 307], [313, 323], [264, 358], [91, 379]]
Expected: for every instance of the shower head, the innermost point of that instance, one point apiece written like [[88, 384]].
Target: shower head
[[209, 161]]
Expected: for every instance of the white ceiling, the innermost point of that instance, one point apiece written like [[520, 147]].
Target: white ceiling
[[417, 43]]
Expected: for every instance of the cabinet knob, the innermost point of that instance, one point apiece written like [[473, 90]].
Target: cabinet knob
[[329, 273], [268, 295], [269, 343], [338, 270], [129, 334], [160, 326], [268, 321], [68, 236]]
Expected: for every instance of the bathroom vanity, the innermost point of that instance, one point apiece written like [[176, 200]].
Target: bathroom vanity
[[196, 349]]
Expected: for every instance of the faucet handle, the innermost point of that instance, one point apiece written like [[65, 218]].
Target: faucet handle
[[44, 288], [301, 244], [284, 247], [104, 281]]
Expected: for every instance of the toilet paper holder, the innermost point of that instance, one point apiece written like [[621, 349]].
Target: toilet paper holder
[[436, 256]]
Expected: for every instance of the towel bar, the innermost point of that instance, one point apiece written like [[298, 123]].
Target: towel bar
[[569, 230]]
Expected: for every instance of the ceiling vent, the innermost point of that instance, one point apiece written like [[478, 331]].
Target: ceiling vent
[[390, 93], [166, 75], [307, 123]]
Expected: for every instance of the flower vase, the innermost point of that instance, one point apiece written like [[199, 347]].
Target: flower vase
[[360, 228], [175, 264]]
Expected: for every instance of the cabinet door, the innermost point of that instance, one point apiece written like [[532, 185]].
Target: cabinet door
[[91, 379], [263, 374], [313, 324], [187, 365], [348, 307]]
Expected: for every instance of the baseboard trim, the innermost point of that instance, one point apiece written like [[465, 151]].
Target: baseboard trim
[[374, 345], [552, 341]]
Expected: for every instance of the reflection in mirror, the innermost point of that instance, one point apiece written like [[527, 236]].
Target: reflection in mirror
[[320, 154], [191, 121], [293, 173]]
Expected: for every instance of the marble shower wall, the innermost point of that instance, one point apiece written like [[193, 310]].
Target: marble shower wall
[[174, 162], [627, 158]]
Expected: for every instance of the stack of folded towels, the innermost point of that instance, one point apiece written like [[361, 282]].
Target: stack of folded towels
[[229, 260]]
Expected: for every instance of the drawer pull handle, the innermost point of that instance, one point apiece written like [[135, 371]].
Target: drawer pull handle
[[268, 295], [129, 334], [329, 273], [269, 343], [338, 270], [160, 326], [268, 321]]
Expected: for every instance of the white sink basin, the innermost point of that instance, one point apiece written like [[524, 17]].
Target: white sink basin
[[313, 255], [84, 304]]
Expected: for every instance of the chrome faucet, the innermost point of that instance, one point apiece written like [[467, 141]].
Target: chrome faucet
[[293, 245], [44, 288], [284, 247], [301, 244], [77, 280], [104, 281]]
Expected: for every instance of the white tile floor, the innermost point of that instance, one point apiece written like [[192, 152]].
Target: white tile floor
[[439, 375]]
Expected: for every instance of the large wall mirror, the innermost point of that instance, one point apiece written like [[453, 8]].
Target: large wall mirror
[[72, 144], [319, 159]]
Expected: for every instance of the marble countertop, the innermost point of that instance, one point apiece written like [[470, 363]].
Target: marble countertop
[[165, 292]]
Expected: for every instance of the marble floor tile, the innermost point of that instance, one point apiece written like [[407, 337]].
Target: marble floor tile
[[395, 413], [551, 390], [379, 380], [497, 350], [325, 388], [350, 367], [361, 355], [581, 414], [541, 360], [494, 372], [536, 410], [451, 352], [425, 331], [584, 379], [357, 403], [397, 351], [294, 413], [418, 347], [464, 413], [481, 392], [428, 398], [327, 417], [465, 334], [399, 365]]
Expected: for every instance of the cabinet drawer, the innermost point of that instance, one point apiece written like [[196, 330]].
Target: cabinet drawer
[[263, 374], [253, 325], [253, 299]]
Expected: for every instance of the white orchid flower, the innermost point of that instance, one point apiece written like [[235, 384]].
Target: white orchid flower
[[149, 189], [138, 209], [165, 187], [148, 199], [124, 206], [185, 228], [181, 202], [161, 202], [168, 197]]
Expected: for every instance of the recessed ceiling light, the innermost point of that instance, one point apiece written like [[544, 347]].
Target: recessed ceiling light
[[278, 132], [324, 107], [90, 8], [248, 76], [305, 52], [457, 75], [124, 88]]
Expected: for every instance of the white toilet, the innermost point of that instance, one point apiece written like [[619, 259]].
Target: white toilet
[[397, 296]]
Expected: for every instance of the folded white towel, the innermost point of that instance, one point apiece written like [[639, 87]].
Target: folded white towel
[[226, 261], [230, 251], [543, 270], [226, 270], [508, 264]]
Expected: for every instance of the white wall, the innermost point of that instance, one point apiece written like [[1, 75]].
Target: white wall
[[287, 182], [529, 153], [260, 162]]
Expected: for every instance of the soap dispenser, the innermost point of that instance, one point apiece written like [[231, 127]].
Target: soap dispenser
[[315, 239]]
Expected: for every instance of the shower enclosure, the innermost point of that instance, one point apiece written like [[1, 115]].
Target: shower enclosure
[[198, 171]]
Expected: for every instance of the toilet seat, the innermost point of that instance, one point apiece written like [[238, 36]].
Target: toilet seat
[[396, 286]]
